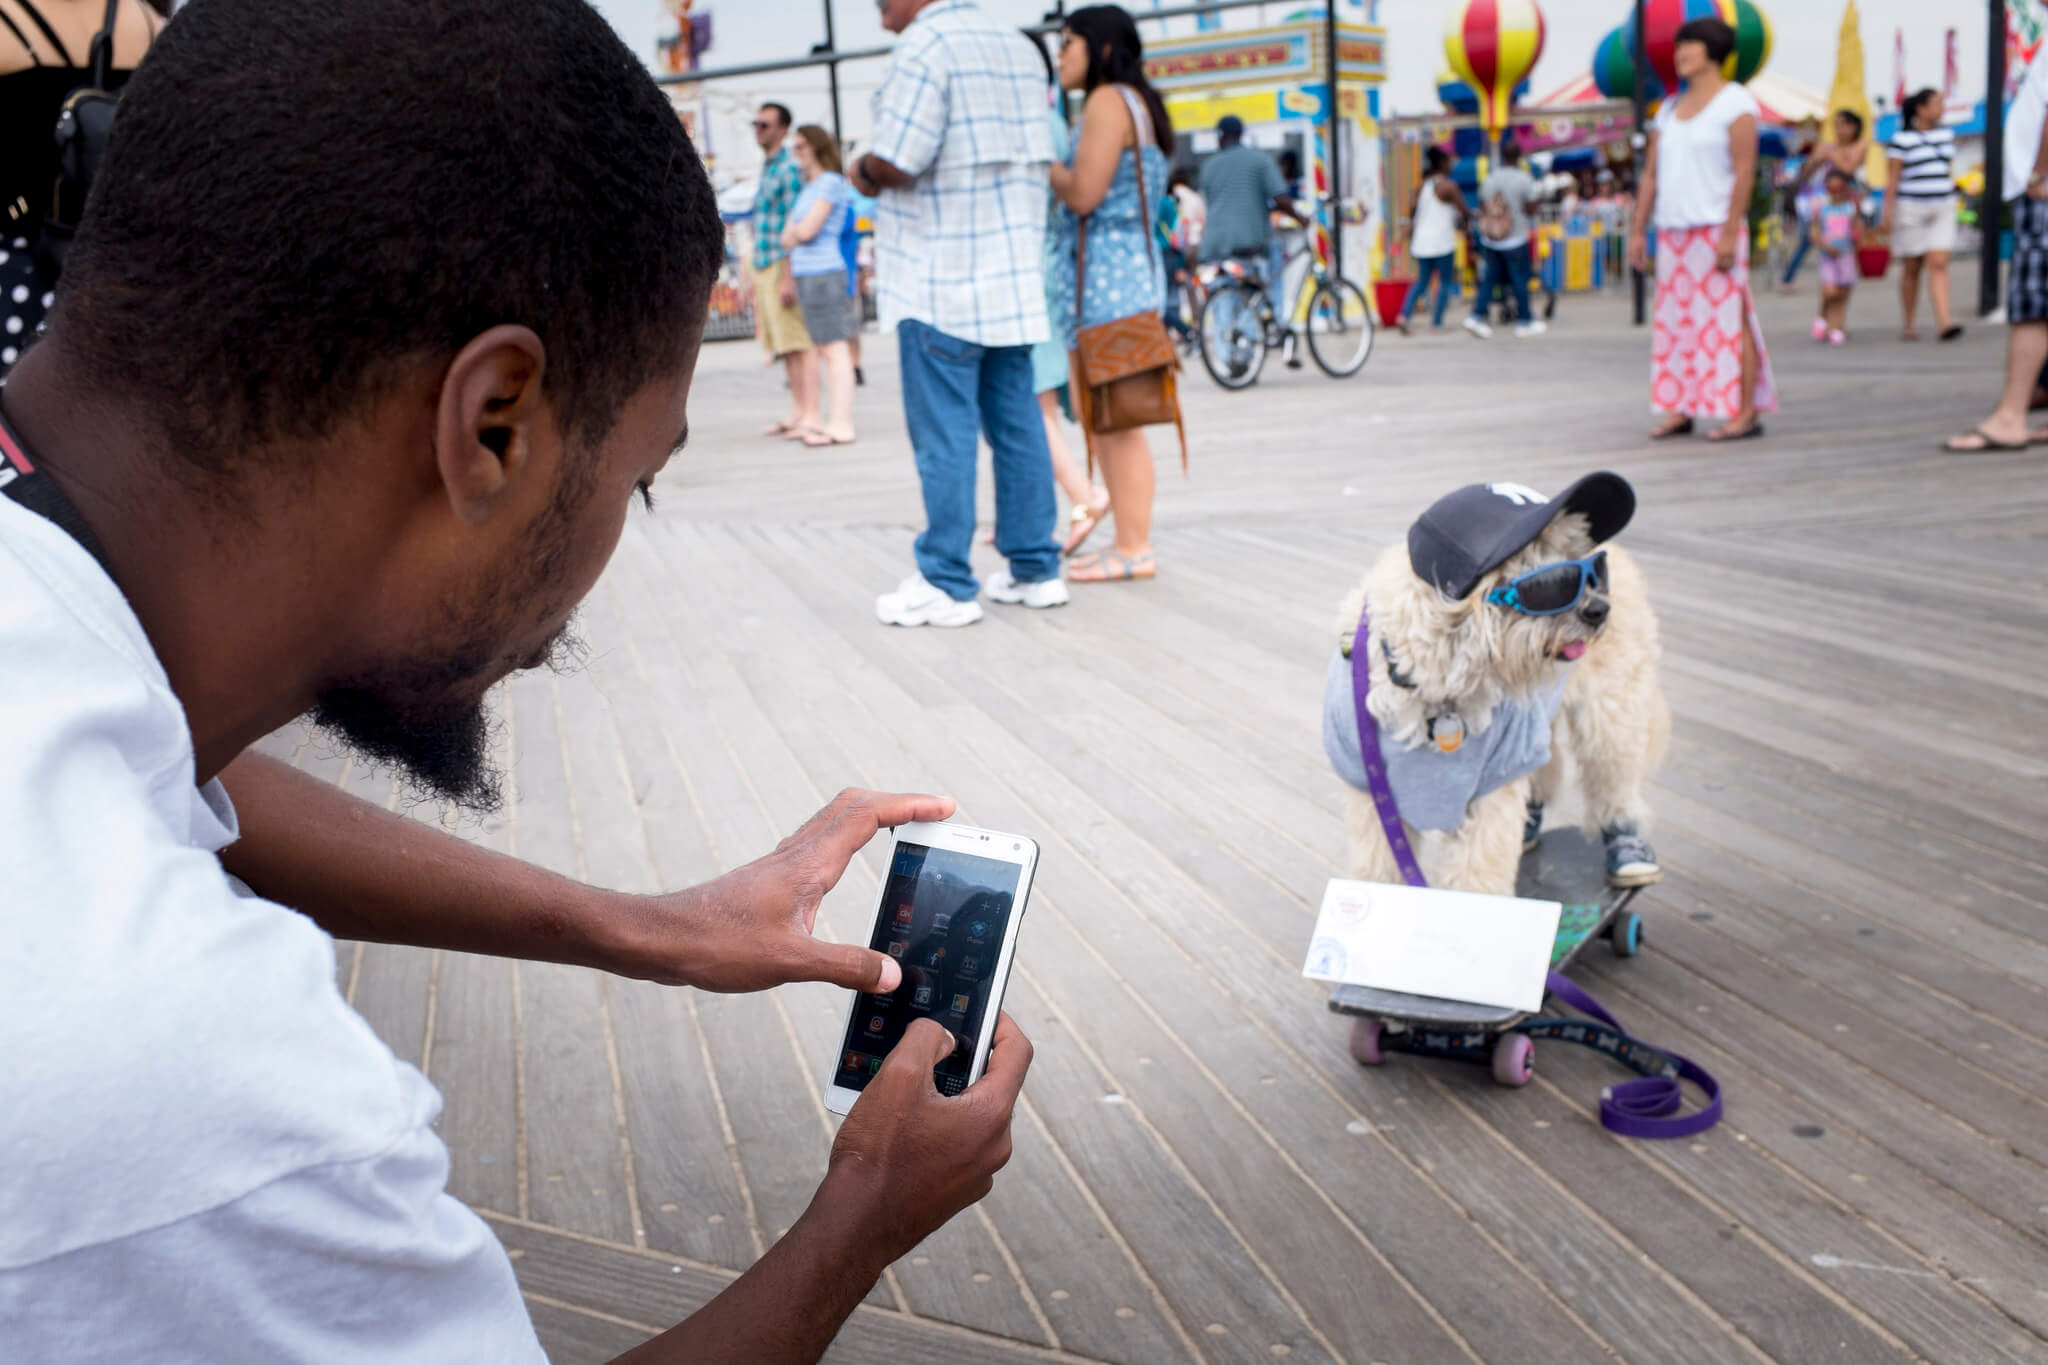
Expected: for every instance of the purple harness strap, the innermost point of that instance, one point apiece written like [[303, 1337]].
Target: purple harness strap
[[1645, 1108]]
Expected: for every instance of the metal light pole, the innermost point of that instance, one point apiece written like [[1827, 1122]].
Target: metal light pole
[[831, 49], [1639, 98], [1331, 119], [1991, 205]]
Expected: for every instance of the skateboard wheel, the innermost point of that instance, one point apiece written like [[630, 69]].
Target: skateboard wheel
[[1365, 1041], [1627, 934], [1514, 1059]]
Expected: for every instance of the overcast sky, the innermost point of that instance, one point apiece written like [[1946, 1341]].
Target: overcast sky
[[1804, 48]]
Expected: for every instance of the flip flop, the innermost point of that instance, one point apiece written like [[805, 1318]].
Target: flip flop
[[779, 429], [1683, 428], [1952, 331], [1987, 442], [814, 439], [1750, 433], [1111, 567]]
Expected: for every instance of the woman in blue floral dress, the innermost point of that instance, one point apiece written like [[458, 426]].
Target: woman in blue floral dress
[[1122, 120]]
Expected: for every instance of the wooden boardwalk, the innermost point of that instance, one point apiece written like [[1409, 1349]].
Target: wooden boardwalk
[[1853, 933]]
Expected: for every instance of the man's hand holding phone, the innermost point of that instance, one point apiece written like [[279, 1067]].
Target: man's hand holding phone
[[910, 1158]]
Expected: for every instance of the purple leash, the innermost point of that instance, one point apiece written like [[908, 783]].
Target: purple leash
[[1645, 1108]]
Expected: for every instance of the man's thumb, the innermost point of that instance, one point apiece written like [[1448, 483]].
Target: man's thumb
[[926, 1038], [851, 966]]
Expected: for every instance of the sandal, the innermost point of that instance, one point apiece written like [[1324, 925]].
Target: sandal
[[1082, 521], [1754, 431], [782, 428], [1666, 431], [817, 437], [1107, 566], [1984, 441]]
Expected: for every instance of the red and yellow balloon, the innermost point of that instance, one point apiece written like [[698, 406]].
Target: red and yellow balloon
[[1492, 45]]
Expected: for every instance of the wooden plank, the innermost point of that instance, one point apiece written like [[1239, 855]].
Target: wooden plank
[[648, 1292], [575, 1173]]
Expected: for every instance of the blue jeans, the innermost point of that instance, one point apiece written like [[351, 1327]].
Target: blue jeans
[[1798, 254], [1427, 268], [953, 389], [1511, 265]]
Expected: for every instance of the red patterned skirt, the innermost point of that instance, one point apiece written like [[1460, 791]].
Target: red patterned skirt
[[1696, 341]]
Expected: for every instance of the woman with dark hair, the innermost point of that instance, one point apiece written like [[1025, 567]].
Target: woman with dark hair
[[1707, 356], [1124, 134], [1920, 209], [1433, 222], [1845, 151]]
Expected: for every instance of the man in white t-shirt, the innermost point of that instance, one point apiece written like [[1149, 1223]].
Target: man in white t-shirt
[[359, 361]]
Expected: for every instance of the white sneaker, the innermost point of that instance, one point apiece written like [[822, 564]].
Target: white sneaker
[[1046, 592], [1476, 327], [917, 603], [1534, 328]]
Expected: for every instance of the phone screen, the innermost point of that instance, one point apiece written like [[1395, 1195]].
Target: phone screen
[[944, 915]]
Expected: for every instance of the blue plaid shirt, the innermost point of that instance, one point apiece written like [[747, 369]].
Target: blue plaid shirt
[[962, 111], [781, 182]]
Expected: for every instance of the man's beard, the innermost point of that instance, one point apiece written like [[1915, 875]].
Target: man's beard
[[420, 719], [418, 722]]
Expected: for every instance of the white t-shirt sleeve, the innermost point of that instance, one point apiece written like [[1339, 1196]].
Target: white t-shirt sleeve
[[365, 1261]]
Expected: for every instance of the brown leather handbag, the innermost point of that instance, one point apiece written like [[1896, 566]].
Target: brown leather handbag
[[1125, 370]]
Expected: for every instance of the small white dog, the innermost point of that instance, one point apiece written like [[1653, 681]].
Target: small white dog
[[1503, 638]]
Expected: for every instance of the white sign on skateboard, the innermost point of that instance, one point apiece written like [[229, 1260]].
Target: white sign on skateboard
[[1454, 945]]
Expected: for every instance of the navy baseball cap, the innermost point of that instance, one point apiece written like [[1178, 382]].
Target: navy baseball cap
[[1466, 534]]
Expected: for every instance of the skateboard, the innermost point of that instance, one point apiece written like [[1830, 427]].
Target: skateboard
[[1565, 866]]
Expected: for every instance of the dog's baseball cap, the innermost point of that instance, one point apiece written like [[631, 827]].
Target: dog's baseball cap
[[1478, 528]]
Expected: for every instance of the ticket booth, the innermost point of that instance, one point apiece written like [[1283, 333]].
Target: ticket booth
[[1276, 79]]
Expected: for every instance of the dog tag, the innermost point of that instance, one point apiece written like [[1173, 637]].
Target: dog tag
[[1448, 731]]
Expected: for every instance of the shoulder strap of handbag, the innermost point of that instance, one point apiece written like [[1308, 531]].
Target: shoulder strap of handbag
[[35, 16], [102, 59], [1141, 127]]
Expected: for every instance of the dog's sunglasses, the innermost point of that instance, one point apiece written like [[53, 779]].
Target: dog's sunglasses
[[1553, 588]]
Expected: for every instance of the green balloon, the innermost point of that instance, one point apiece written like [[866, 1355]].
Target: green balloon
[[1752, 39]]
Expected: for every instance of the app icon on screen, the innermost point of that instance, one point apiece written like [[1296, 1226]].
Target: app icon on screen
[[978, 930], [878, 1023], [942, 921], [903, 915], [853, 1061], [970, 965], [936, 958], [896, 948], [921, 997], [874, 1065], [960, 1004]]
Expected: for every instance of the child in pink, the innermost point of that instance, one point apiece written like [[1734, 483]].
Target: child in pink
[[1837, 231]]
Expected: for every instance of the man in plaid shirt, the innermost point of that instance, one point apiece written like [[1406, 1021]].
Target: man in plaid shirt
[[958, 163], [777, 319]]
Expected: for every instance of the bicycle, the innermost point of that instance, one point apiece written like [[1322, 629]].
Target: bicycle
[[1237, 325]]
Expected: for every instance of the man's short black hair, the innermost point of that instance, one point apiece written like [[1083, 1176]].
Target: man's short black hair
[[1713, 34], [1855, 121], [782, 113], [301, 197]]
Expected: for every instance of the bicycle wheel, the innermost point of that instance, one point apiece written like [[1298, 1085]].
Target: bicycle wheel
[[1233, 341], [1339, 328]]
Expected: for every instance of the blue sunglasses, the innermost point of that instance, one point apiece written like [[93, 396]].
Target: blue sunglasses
[[1553, 588]]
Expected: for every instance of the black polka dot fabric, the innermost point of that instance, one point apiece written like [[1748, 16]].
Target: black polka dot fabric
[[25, 300]]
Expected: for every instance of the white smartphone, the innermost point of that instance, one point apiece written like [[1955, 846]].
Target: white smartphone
[[949, 912]]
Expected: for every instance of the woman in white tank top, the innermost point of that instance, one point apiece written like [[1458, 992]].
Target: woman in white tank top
[[1433, 235]]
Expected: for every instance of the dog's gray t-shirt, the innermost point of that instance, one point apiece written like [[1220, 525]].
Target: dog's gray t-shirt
[[1432, 788]]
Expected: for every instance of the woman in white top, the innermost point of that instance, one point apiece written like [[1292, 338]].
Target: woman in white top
[[1707, 356], [1920, 209], [1433, 236]]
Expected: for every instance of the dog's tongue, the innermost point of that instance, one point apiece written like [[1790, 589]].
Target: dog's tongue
[[1572, 650]]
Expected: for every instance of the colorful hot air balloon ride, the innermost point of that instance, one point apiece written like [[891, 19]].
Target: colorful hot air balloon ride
[[1752, 39], [1492, 45], [1663, 18]]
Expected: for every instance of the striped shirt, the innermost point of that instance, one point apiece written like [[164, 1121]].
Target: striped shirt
[[962, 247], [1927, 162]]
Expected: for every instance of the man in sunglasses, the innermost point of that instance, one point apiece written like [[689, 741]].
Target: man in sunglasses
[[777, 319]]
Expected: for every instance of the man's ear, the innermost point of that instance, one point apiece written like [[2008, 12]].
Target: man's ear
[[489, 414]]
